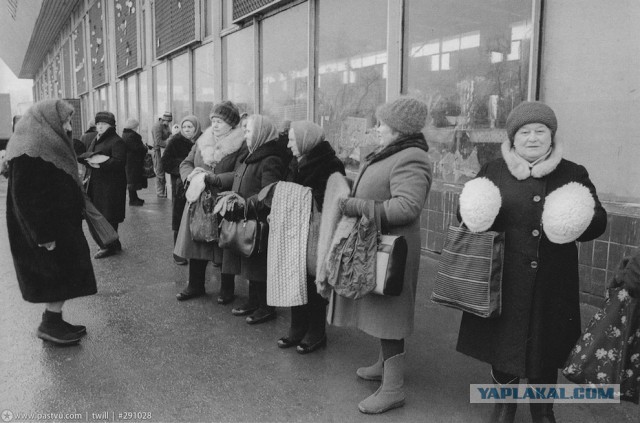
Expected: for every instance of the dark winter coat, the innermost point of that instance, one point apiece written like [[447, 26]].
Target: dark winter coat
[[178, 148], [45, 204], [540, 319], [108, 183], [313, 170], [267, 164], [88, 136], [136, 151]]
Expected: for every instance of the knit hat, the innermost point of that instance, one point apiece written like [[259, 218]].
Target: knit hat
[[406, 115], [132, 123], [531, 112], [226, 111], [106, 117], [167, 116]]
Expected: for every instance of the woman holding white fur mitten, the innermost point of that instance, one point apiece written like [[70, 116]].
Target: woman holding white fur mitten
[[543, 204]]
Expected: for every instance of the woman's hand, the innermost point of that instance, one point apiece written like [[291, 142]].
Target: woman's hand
[[352, 207], [50, 246]]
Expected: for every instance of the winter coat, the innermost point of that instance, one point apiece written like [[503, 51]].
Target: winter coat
[[267, 164], [178, 148], [185, 246], [108, 183], [45, 204], [136, 151], [313, 170], [88, 136], [540, 319], [399, 184]]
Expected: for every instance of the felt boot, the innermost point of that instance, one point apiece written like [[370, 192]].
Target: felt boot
[[390, 394], [55, 330], [373, 372]]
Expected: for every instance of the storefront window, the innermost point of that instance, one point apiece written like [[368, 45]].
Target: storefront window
[[132, 97], [203, 83], [181, 96], [238, 69], [121, 116], [160, 90], [471, 72], [285, 71], [146, 118], [352, 73]]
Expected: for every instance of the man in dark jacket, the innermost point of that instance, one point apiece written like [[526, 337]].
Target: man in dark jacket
[[160, 132]]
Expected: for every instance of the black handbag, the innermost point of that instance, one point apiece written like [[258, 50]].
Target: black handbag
[[147, 166], [246, 237], [391, 260]]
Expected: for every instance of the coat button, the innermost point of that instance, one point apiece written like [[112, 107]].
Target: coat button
[[535, 232], [536, 198], [534, 264]]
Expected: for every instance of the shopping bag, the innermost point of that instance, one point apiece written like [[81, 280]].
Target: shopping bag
[[147, 166], [312, 239], [203, 222]]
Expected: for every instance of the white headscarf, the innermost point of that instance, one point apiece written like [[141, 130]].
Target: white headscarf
[[263, 129]]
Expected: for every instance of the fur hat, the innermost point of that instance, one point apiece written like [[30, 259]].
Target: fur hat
[[531, 112], [131, 123], [567, 212], [406, 115], [106, 117], [167, 116], [226, 111], [480, 203]]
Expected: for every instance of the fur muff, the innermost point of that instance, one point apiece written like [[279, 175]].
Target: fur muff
[[480, 203], [337, 188], [567, 212]]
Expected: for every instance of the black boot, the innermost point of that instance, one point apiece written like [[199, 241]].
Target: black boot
[[265, 312], [55, 330], [227, 288], [251, 304], [317, 317], [195, 287], [298, 327]]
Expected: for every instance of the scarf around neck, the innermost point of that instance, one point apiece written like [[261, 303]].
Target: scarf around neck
[[214, 149], [402, 143], [521, 169]]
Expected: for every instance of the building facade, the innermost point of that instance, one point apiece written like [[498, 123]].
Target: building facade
[[335, 61]]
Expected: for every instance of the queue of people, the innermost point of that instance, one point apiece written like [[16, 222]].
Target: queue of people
[[238, 157]]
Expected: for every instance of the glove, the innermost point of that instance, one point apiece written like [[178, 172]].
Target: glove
[[353, 207], [212, 180]]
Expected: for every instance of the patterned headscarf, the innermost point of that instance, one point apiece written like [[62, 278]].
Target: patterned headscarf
[[196, 123], [308, 135], [264, 131]]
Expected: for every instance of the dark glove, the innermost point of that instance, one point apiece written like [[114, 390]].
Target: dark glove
[[353, 207], [213, 180]]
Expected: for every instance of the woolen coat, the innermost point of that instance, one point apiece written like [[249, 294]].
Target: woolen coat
[[185, 246], [178, 148], [45, 204], [267, 164], [108, 183], [540, 319], [399, 184], [136, 151]]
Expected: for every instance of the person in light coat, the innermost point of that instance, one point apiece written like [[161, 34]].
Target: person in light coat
[[397, 178]]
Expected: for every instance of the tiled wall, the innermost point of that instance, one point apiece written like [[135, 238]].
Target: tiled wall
[[598, 259]]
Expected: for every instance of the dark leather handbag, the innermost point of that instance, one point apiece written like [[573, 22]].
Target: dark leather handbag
[[246, 237], [391, 260], [147, 166]]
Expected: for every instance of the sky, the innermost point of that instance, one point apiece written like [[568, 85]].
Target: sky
[[20, 89]]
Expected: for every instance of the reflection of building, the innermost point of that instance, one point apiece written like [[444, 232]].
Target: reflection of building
[[326, 60]]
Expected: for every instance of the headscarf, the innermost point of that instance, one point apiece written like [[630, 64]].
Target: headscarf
[[196, 123], [308, 135], [264, 131], [39, 133]]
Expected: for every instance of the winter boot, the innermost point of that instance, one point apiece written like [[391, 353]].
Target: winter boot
[[373, 372], [265, 312], [503, 412], [55, 330], [390, 394], [542, 412]]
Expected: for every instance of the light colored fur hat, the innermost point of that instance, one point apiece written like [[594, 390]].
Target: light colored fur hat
[[567, 212], [480, 203]]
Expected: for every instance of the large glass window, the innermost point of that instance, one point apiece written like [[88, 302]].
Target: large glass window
[[181, 95], [160, 90], [469, 61], [121, 115], [352, 73], [146, 118], [132, 96], [238, 69], [285, 70], [203, 83]]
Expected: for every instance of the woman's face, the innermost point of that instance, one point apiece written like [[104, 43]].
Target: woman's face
[[219, 126], [386, 134], [292, 144], [248, 132], [532, 141], [188, 130], [101, 127], [66, 125]]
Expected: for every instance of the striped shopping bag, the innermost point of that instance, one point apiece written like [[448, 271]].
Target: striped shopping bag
[[469, 274]]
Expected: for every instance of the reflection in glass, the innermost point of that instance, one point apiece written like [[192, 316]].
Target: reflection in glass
[[352, 73], [469, 61], [285, 71], [160, 91], [203, 83], [181, 98], [238, 72]]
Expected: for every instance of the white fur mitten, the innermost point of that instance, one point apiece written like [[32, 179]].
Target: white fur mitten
[[567, 212], [480, 202]]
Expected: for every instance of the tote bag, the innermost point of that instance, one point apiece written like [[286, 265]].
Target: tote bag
[[469, 274], [203, 222]]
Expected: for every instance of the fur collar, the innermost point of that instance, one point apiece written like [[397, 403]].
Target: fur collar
[[214, 149], [521, 169]]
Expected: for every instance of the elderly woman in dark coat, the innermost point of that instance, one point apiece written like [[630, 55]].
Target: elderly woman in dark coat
[[44, 217], [315, 162], [397, 178], [544, 204], [217, 152], [107, 187], [178, 148], [136, 151], [266, 163]]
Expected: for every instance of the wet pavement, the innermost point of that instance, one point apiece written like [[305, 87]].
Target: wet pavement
[[149, 354]]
